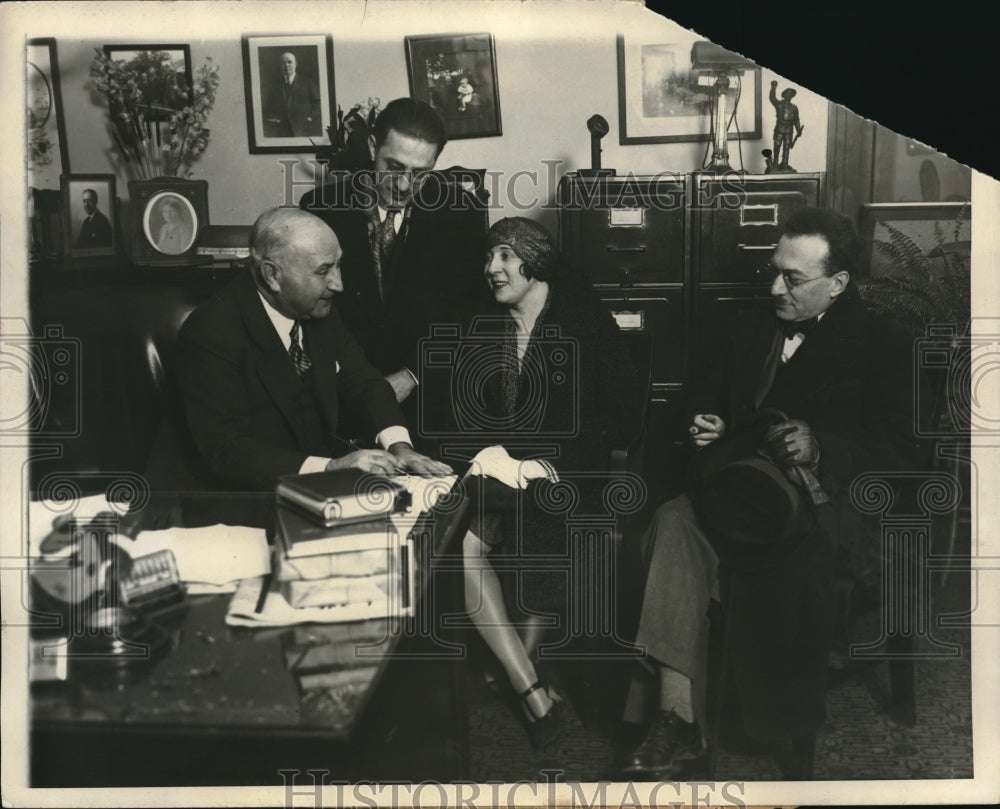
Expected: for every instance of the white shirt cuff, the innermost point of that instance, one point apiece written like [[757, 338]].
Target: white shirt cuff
[[413, 376], [390, 435], [313, 464]]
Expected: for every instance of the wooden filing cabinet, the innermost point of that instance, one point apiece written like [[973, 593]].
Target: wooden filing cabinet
[[678, 256]]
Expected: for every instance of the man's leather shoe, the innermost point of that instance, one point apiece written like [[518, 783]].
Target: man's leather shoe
[[671, 746]]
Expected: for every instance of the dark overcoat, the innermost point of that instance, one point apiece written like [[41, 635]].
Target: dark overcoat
[[851, 380], [578, 377]]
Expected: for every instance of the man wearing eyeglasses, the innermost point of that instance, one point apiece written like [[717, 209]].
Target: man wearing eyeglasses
[[814, 395], [411, 242]]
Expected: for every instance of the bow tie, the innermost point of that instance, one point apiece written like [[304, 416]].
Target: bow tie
[[803, 327]]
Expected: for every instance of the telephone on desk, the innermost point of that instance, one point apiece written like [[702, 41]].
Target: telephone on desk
[[108, 606]]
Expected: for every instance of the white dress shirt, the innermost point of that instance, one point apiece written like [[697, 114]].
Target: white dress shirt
[[792, 343]]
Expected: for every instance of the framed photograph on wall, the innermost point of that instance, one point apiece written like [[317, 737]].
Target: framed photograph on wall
[[167, 216], [660, 99], [895, 232], [289, 92], [89, 218], [48, 158], [457, 76], [163, 73]]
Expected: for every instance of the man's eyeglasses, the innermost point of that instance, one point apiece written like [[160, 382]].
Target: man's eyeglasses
[[788, 277]]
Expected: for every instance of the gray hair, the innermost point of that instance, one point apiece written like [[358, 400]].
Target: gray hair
[[274, 233]]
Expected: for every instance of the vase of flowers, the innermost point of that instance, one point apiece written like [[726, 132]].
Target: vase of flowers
[[152, 138]]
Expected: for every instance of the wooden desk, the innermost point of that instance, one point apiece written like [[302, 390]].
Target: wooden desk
[[222, 709]]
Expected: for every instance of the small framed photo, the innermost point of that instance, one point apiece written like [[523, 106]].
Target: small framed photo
[[457, 75], [163, 73], [661, 100], [289, 92], [89, 203], [167, 216]]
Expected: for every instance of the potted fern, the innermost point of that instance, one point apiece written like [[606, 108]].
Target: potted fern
[[918, 288]]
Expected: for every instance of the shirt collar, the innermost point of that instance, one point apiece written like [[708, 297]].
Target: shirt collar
[[282, 325], [383, 212]]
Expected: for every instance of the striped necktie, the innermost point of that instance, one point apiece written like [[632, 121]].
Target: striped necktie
[[299, 357], [384, 237]]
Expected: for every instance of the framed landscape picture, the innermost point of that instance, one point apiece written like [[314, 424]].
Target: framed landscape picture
[[290, 99], [661, 100], [457, 76], [47, 155]]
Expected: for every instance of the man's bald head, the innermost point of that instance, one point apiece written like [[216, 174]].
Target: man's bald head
[[295, 259]]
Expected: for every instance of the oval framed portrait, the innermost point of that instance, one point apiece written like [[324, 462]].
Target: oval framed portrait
[[170, 223], [168, 214]]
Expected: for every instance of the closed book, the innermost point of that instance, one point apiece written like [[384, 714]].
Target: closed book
[[375, 589], [299, 536], [327, 565], [342, 495]]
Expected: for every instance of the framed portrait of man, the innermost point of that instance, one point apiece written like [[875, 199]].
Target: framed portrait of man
[[89, 220], [289, 92]]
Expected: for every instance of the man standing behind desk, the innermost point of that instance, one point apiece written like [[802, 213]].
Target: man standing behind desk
[[264, 366], [413, 250], [842, 381]]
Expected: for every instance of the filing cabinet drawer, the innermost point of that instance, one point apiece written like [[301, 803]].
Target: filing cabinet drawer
[[717, 310], [665, 436], [624, 231], [659, 312], [737, 222]]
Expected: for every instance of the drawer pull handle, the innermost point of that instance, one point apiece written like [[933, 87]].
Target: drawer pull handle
[[640, 249], [756, 246]]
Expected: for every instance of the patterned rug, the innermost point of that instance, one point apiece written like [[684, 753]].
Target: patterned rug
[[859, 740]]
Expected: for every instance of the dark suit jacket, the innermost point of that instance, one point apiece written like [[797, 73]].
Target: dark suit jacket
[[578, 396], [851, 380], [435, 275], [238, 383], [298, 116], [578, 387], [96, 232]]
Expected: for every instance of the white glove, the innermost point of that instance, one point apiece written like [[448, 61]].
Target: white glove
[[494, 462]]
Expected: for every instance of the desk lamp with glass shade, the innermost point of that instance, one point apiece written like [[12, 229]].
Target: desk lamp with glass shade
[[708, 59]]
